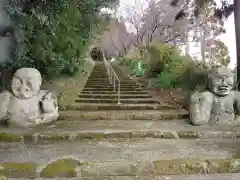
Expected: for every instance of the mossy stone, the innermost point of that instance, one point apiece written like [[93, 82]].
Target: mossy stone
[[28, 137], [54, 136], [180, 166], [18, 170], [168, 135], [8, 137], [61, 168], [82, 136], [118, 135], [188, 134], [218, 165], [234, 166]]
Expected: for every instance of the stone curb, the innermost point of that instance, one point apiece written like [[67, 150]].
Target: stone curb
[[76, 136], [94, 106], [66, 167], [134, 116]]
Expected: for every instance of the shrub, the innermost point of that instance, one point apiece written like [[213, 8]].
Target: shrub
[[157, 56], [134, 65], [53, 36], [182, 72]]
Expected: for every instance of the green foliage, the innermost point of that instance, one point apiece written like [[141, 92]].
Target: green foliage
[[182, 72], [218, 53], [54, 37], [158, 56], [139, 67], [170, 69]]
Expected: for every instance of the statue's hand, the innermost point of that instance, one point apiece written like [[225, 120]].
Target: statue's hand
[[49, 103], [196, 97]]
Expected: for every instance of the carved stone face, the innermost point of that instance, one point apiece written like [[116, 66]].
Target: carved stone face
[[221, 81], [26, 83]]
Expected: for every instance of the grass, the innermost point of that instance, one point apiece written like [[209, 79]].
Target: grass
[[68, 88]]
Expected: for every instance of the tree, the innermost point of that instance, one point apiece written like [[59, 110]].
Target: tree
[[155, 23], [52, 36], [217, 52], [114, 40], [223, 12]]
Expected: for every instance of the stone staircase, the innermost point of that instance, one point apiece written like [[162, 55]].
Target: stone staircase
[[139, 139]]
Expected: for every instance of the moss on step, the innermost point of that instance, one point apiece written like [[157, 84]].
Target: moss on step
[[67, 167], [54, 136], [9, 137], [82, 136], [196, 166], [15, 170], [61, 168], [180, 166], [188, 134]]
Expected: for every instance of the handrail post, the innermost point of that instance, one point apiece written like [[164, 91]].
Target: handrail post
[[119, 92], [112, 77], [114, 84]]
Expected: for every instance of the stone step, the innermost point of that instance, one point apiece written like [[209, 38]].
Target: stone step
[[113, 101], [123, 115], [74, 131], [114, 92], [222, 176], [99, 77], [111, 89], [106, 78], [135, 157], [108, 107], [99, 72], [107, 83], [110, 85], [99, 69], [113, 96]]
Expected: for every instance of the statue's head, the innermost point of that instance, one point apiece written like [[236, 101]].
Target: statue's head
[[221, 80], [26, 83]]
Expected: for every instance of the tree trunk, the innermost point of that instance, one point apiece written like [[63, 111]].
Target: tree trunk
[[203, 44], [237, 32], [187, 43]]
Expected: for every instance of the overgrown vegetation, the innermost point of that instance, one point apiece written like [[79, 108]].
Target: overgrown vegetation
[[168, 68], [54, 35]]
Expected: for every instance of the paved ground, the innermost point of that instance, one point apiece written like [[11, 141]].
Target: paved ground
[[123, 126], [183, 177], [146, 149]]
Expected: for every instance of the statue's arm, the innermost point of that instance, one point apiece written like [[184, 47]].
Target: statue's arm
[[49, 108], [237, 101], [200, 107], [4, 104]]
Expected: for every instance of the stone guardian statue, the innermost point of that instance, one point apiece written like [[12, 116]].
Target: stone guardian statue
[[27, 105], [220, 103]]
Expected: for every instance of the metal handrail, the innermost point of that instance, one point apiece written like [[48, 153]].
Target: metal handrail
[[112, 77]]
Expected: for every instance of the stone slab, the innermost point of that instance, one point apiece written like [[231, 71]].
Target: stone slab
[[115, 100], [105, 106], [138, 157], [124, 115], [110, 129], [115, 92], [227, 176], [105, 96]]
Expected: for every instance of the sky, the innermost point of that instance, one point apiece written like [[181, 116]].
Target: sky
[[228, 38]]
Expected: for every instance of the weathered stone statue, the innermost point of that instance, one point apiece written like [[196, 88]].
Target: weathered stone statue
[[220, 104], [27, 105]]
